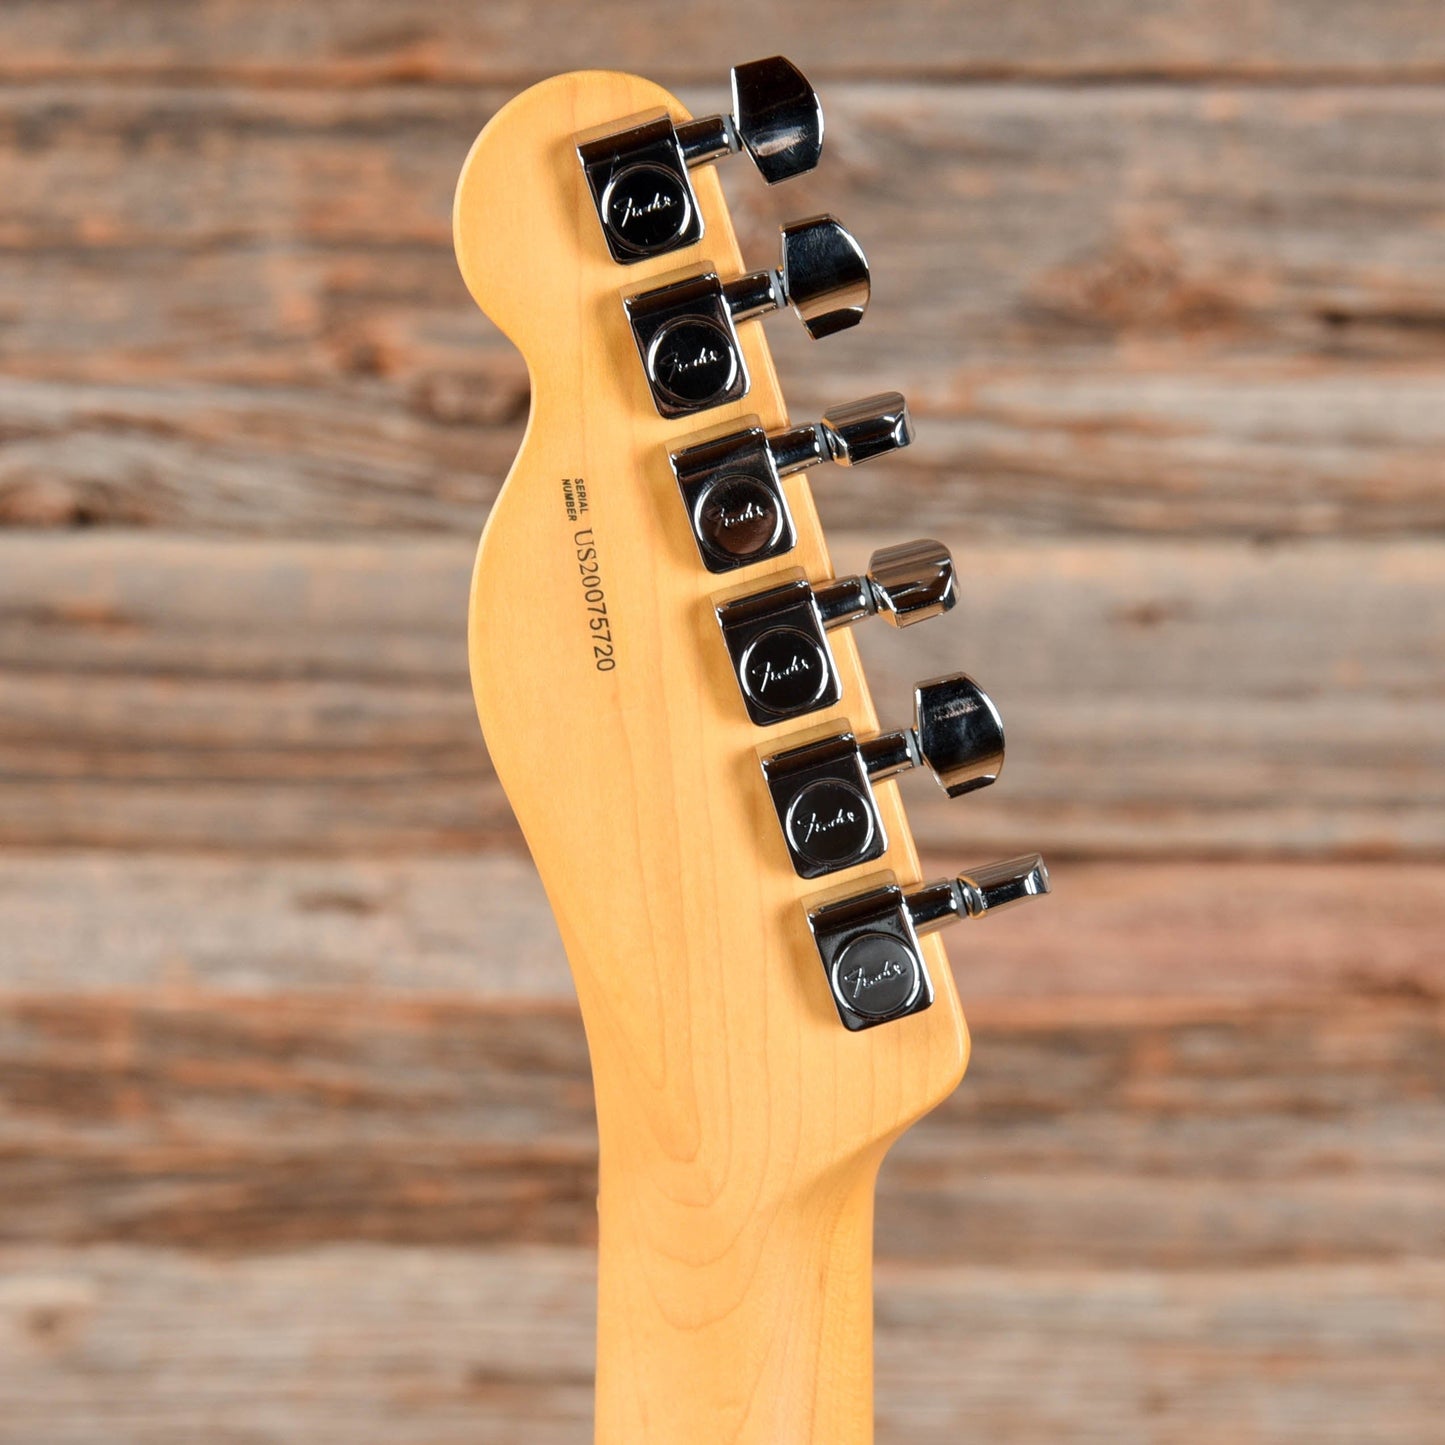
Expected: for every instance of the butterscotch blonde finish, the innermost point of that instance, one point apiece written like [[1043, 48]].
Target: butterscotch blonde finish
[[741, 1125]]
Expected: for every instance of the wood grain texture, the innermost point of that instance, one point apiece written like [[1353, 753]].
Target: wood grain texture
[[448, 1347], [1124, 309], [358, 41], [1104, 1132], [1274, 700], [479, 925], [1162, 282], [740, 1127], [433, 925]]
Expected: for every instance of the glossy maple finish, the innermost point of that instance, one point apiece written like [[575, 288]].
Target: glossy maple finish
[[741, 1126]]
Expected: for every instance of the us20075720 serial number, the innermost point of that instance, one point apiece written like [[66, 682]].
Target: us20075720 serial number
[[604, 657]]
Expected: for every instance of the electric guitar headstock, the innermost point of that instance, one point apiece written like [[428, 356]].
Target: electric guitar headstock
[[665, 674]]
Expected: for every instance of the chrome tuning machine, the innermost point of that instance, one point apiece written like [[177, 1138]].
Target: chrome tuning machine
[[777, 638], [823, 790], [732, 487], [638, 172], [869, 943], [686, 331]]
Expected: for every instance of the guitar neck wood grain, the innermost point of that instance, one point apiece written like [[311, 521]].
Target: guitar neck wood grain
[[741, 1126]]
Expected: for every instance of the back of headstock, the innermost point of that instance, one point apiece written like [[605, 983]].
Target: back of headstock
[[636, 578]]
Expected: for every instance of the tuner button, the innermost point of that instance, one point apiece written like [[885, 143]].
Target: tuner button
[[868, 942], [638, 172], [960, 734], [993, 886], [858, 431], [731, 484], [686, 330], [824, 275], [977, 891], [765, 632], [777, 117], [822, 789], [912, 581]]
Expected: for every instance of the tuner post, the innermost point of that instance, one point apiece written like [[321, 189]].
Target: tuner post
[[732, 485], [686, 331], [822, 791], [777, 638], [637, 172], [869, 944]]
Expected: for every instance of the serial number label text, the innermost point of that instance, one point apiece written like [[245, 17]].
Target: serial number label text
[[589, 574]]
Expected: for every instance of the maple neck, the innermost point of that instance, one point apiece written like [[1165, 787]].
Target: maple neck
[[742, 1112], [731, 1325]]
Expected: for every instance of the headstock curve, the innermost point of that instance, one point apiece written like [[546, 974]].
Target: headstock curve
[[662, 720], [741, 1125]]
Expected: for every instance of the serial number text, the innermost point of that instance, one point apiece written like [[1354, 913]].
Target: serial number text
[[589, 572]]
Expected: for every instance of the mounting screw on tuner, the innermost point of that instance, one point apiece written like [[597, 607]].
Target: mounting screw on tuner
[[823, 790], [731, 485], [869, 943], [638, 172], [777, 638], [686, 331]]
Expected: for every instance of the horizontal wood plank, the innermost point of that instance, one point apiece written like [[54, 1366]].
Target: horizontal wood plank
[[312, 697], [436, 924], [1115, 309], [299, 1146], [1170, 1133], [448, 1347], [480, 925], [363, 40], [1348, 450]]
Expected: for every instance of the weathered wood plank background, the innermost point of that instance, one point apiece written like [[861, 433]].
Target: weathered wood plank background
[[295, 1129]]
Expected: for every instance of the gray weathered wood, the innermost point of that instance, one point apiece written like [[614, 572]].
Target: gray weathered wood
[[451, 1347], [1347, 449], [1190, 1193], [1089, 1131], [480, 926], [437, 924], [175, 694], [351, 41], [1118, 308]]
